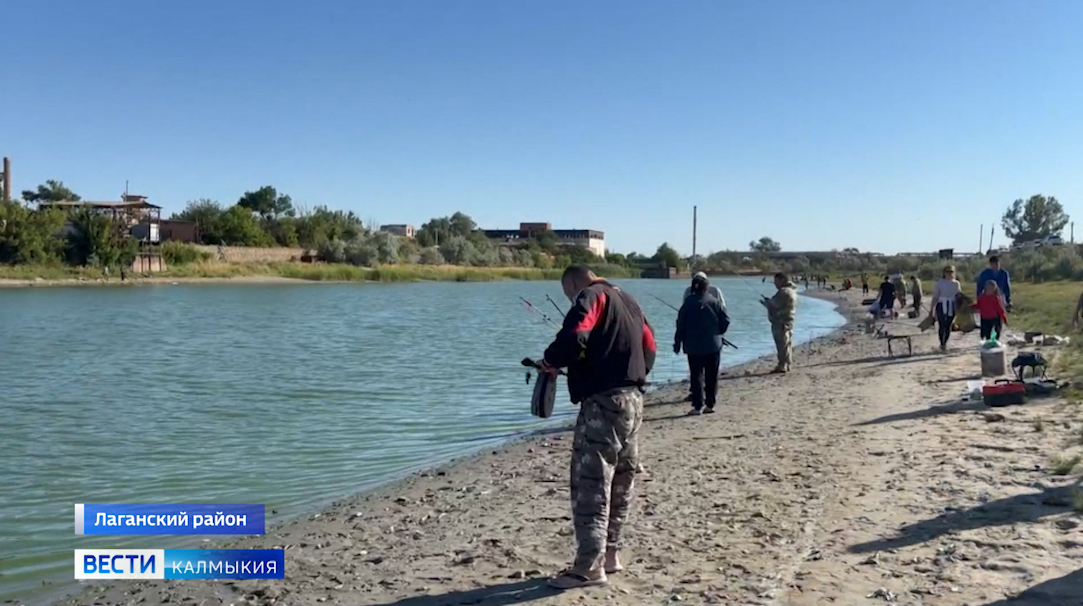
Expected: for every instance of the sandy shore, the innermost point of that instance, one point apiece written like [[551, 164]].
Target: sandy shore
[[9, 283], [857, 479]]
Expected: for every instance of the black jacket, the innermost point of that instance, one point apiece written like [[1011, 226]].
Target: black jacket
[[605, 342], [700, 325]]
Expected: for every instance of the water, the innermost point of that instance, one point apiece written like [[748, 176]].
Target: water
[[287, 395]]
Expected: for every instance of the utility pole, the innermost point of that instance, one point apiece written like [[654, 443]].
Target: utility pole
[[1071, 239], [992, 228], [6, 194], [694, 234], [981, 239]]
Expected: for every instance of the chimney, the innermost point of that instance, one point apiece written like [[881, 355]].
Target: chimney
[[7, 179]]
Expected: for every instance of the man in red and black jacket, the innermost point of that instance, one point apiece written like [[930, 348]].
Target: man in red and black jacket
[[608, 347]]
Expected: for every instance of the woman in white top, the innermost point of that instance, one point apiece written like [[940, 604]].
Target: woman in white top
[[944, 292]]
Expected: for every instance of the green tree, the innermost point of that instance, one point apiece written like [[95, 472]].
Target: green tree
[[667, 256], [28, 235], [441, 229], [50, 191], [99, 240], [1036, 217], [239, 227], [207, 215], [267, 203], [764, 244], [322, 224]]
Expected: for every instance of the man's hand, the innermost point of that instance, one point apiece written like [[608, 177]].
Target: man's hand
[[1008, 308], [677, 348], [549, 370]]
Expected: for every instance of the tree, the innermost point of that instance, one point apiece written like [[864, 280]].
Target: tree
[[764, 244], [239, 227], [99, 240], [441, 229], [323, 224], [207, 215], [667, 255], [51, 191], [1037, 217], [267, 203], [28, 235]]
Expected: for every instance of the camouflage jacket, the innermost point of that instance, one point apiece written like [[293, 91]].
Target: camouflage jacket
[[781, 308]]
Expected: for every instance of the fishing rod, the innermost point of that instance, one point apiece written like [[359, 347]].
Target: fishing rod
[[539, 312], [725, 341], [550, 299]]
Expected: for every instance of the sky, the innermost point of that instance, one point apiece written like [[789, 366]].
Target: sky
[[889, 127]]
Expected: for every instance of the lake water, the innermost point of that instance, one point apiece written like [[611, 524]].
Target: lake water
[[287, 395]]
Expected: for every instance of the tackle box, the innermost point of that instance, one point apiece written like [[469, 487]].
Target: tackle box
[[1004, 393]]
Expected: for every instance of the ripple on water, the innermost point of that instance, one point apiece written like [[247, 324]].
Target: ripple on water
[[287, 396]]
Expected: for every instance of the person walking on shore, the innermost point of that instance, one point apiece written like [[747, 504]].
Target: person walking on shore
[[781, 311], [608, 347], [915, 290], [945, 292], [711, 290], [864, 284], [998, 275], [991, 311], [701, 322]]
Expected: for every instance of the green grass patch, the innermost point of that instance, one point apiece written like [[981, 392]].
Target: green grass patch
[[1062, 465]]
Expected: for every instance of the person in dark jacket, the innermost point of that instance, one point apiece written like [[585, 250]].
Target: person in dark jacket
[[887, 295], [701, 323], [608, 347]]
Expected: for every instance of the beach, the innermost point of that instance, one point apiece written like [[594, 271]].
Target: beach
[[856, 479]]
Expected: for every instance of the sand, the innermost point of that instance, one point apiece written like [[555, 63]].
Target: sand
[[855, 480]]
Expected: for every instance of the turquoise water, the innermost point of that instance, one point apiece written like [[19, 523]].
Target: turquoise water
[[287, 395]]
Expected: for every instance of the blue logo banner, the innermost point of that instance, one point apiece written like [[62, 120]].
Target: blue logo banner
[[169, 519], [180, 563]]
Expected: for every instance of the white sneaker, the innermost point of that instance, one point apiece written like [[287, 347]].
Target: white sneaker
[[694, 412]]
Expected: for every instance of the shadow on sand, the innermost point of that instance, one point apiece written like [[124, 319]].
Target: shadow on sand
[[1029, 507], [932, 411], [497, 595], [1061, 591]]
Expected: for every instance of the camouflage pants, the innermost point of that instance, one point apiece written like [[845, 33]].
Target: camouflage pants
[[783, 334], [605, 455]]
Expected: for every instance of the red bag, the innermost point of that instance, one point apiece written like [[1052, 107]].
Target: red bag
[[1004, 393]]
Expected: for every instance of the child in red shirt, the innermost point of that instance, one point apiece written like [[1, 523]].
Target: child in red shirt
[[991, 309]]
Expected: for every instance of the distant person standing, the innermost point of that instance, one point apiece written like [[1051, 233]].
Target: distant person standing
[[945, 296], [999, 275], [608, 348], [864, 284], [701, 323], [781, 310], [887, 295], [915, 290], [711, 289]]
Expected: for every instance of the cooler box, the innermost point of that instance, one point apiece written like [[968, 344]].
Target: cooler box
[[1004, 393]]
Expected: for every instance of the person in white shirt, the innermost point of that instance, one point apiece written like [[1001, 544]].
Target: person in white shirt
[[712, 290]]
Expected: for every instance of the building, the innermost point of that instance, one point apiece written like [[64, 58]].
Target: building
[[141, 217], [591, 239], [399, 229], [179, 231]]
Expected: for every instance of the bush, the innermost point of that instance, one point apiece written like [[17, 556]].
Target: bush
[[181, 253]]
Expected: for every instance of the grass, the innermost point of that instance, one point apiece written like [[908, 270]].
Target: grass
[[319, 272], [1063, 465]]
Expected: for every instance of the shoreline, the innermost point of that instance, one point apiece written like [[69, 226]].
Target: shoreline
[[516, 446]]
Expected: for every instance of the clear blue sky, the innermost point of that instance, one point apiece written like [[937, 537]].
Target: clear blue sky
[[826, 124]]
